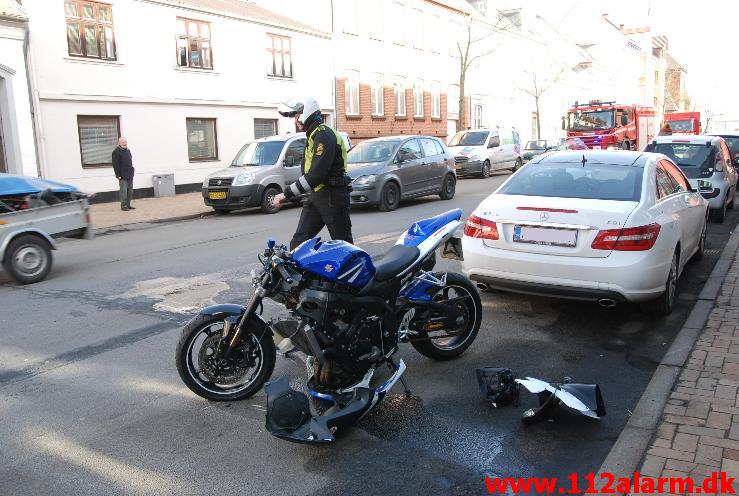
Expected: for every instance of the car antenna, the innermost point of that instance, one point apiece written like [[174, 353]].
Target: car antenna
[[584, 160]]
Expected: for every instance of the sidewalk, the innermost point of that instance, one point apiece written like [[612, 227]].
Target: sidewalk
[[183, 206], [699, 430]]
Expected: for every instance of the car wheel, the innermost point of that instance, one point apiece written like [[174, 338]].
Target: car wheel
[[519, 164], [663, 305], [448, 188], [28, 259], [485, 169], [221, 210], [719, 214], [268, 200], [389, 197], [701, 243]]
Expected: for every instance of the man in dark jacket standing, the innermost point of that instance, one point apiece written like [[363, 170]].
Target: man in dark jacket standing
[[123, 168]]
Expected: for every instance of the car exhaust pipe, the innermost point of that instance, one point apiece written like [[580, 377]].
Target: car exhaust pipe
[[607, 302], [482, 286]]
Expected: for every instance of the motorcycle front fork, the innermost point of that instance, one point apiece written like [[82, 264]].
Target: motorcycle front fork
[[231, 332]]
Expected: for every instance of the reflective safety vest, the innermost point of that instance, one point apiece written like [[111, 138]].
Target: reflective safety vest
[[309, 155]]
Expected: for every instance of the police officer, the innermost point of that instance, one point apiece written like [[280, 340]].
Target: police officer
[[324, 181]]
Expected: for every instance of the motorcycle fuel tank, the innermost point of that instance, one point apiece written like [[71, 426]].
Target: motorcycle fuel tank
[[334, 260]]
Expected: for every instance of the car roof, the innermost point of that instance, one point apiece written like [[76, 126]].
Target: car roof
[[700, 139], [399, 137], [605, 157]]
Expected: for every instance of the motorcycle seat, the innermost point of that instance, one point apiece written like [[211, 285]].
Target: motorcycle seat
[[396, 261]]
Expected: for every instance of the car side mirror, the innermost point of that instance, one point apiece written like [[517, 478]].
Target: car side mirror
[[624, 119]]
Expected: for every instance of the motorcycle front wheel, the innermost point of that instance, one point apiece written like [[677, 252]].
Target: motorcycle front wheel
[[228, 379], [439, 344]]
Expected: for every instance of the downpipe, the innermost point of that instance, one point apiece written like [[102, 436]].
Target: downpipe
[[607, 302]]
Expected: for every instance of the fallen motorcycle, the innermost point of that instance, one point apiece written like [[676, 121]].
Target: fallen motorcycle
[[349, 316]]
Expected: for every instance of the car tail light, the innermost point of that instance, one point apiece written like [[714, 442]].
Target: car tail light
[[628, 239], [475, 227]]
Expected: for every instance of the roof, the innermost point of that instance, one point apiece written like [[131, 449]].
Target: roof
[[242, 9], [700, 139], [9, 9], [608, 157]]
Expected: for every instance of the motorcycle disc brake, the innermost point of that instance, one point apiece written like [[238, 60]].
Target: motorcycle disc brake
[[223, 371]]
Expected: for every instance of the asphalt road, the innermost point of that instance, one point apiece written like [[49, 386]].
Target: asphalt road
[[91, 403]]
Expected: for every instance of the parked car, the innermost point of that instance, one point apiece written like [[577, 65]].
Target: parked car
[[572, 144], [261, 169], [584, 226], [478, 152], [386, 170], [732, 141], [706, 161], [537, 147]]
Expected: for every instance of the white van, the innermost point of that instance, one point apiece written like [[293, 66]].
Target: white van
[[481, 151]]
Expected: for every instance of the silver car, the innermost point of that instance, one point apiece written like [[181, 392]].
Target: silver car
[[386, 170], [706, 162]]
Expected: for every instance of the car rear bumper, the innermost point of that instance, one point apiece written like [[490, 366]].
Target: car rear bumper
[[236, 196], [622, 276]]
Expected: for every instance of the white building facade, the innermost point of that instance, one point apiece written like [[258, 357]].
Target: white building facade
[[186, 82]]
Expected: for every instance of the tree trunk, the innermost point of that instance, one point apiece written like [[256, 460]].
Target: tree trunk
[[538, 118], [461, 115]]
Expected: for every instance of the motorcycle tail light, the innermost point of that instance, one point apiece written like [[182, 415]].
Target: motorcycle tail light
[[628, 239], [476, 227]]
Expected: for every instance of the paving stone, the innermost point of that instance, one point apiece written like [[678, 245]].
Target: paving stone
[[724, 443], [666, 430], [701, 431], [726, 392], [682, 420], [686, 467], [718, 420], [731, 467], [698, 409], [653, 465], [670, 453], [662, 443], [734, 433], [675, 410], [731, 454], [686, 442]]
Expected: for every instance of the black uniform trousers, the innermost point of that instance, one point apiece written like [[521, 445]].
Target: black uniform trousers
[[328, 207]]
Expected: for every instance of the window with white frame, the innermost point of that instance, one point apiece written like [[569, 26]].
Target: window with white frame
[[279, 57], [452, 101], [435, 100], [193, 44], [351, 90], [399, 90], [417, 23], [434, 34], [418, 98], [349, 15], [378, 95], [399, 27], [477, 116], [376, 22]]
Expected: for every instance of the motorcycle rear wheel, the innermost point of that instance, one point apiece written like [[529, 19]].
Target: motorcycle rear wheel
[[448, 347], [196, 344]]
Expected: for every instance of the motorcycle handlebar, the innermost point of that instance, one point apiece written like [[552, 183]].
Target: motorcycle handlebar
[[283, 272]]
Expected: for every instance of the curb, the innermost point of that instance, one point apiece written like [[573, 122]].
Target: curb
[[102, 231], [629, 449]]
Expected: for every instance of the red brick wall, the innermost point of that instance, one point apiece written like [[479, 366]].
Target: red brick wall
[[365, 125]]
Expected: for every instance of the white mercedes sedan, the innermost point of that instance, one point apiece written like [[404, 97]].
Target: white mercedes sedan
[[605, 226]]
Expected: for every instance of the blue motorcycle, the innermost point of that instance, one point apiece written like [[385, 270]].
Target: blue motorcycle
[[349, 315]]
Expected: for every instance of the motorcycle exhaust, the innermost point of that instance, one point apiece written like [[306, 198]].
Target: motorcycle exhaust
[[607, 302]]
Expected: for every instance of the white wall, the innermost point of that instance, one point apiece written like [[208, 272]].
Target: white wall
[[17, 125], [153, 96]]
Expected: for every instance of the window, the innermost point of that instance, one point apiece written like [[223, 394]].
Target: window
[[378, 95], [418, 98], [376, 21], [434, 34], [417, 22], [399, 90], [677, 176], [348, 11], [295, 153], [279, 59], [477, 116], [666, 185], [264, 128], [351, 89], [201, 140], [429, 149], [452, 103], [98, 138], [435, 100], [439, 148], [494, 141], [90, 29], [400, 28], [193, 44], [410, 150]]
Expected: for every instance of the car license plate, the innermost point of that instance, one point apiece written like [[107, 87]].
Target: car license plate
[[545, 236], [452, 249], [217, 195]]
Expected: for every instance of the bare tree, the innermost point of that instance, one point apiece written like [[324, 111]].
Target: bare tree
[[468, 48], [537, 86]]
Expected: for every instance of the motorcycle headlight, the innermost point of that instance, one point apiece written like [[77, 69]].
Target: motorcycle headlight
[[365, 180], [704, 185], [243, 179]]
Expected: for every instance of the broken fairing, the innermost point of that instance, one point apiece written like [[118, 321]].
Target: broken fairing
[[497, 385], [585, 398]]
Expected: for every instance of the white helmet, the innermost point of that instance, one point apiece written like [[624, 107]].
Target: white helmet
[[303, 107]]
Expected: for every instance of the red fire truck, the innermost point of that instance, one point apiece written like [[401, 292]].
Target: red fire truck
[[604, 125], [684, 122]]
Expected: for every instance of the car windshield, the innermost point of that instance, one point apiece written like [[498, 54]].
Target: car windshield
[[371, 152], [681, 126], [536, 145], [260, 153], [685, 154], [589, 121], [469, 138], [572, 180]]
